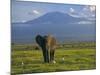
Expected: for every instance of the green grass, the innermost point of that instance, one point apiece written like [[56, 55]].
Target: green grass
[[74, 59]]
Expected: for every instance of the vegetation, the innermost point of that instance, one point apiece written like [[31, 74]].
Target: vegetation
[[27, 58]]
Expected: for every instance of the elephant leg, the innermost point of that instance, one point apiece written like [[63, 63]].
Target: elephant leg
[[45, 55], [51, 55]]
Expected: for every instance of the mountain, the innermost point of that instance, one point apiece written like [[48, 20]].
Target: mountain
[[55, 18], [61, 25]]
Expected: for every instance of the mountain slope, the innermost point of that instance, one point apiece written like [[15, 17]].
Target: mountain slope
[[55, 17]]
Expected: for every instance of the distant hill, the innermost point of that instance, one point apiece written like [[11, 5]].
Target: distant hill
[[55, 18], [61, 25]]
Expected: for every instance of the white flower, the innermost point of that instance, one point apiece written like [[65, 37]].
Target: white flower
[[63, 59], [54, 61], [22, 63]]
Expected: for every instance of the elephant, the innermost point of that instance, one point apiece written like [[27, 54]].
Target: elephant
[[48, 46]]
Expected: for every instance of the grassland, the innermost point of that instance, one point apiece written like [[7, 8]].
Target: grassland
[[68, 57]]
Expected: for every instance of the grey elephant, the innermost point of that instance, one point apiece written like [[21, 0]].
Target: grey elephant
[[48, 46]]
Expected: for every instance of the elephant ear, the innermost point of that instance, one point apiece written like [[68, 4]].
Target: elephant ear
[[40, 40], [45, 38]]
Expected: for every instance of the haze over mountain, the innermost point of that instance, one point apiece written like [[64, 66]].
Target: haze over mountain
[[62, 25]]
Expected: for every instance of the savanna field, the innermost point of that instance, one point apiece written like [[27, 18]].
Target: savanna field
[[69, 56]]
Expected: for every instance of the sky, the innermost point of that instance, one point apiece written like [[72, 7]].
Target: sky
[[22, 11]]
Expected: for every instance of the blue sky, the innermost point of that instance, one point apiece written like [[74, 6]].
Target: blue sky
[[23, 11]]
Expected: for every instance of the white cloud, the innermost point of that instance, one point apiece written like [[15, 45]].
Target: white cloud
[[71, 10], [85, 22], [92, 8], [85, 8], [35, 12], [89, 8], [23, 21], [74, 15], [87, 12]]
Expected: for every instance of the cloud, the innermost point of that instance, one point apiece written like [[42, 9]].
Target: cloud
[[87, 12], [85, 22], [76, 15], [92, 8], [89, 8], [71, 10], [35, 12], [90, 12]]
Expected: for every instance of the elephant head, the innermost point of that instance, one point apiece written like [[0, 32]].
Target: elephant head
[[48, 45]]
